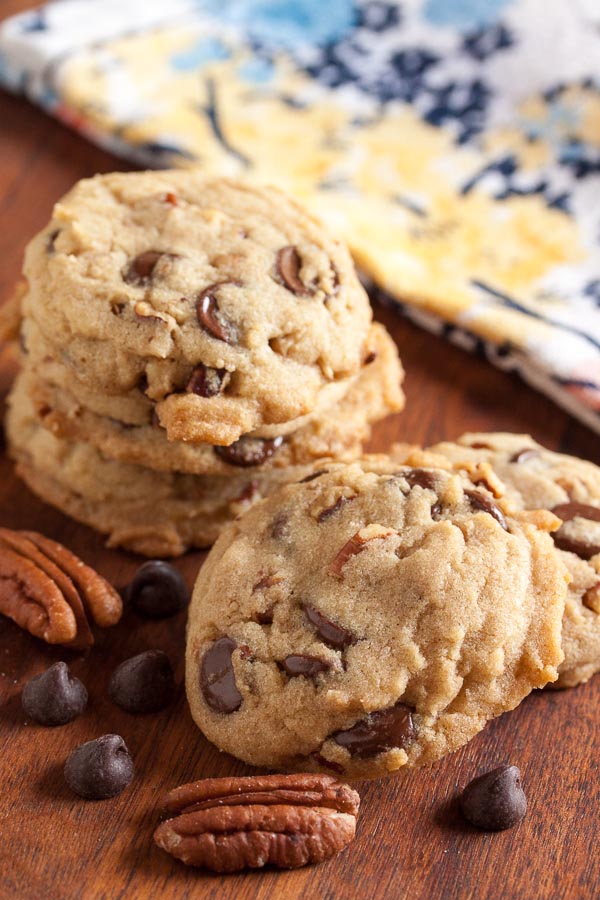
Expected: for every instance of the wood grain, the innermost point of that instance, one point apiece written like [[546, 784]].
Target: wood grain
[[411, 841]]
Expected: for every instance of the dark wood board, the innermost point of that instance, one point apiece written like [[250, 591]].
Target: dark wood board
[[411, 841]]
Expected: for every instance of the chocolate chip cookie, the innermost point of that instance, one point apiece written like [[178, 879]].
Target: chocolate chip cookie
[[157, 514], [372, 616], [536, 478], [228, 306], [338, 430]]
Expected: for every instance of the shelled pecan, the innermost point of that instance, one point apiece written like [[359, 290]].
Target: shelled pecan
[[229, 824], [50, 592]]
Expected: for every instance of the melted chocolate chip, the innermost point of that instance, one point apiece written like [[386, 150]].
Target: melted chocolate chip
[[480, 502], [331, 634], [370, 358], [207, 382], [421, 478], [50, 248], [141, 268], [217, 678], [312, 476], [266, 617], [327, 763], [523, 455], [288, 270], [436, 511], [309, 666], [479, 445], [280, 527], [331, 510], [378, 732], [209, 317], [581, 547], [249, 451], [573, 510], [495, 801]]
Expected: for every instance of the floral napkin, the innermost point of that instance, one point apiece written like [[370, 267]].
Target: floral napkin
[[454, 143]]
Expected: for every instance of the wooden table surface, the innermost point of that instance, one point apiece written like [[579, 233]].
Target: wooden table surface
[[411, 842]]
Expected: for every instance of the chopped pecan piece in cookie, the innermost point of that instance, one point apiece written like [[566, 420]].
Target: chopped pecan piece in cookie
[[357, 544], [50, 592], [229, 824]]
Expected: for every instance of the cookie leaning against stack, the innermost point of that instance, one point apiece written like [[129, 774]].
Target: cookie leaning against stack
[[193, 343], [536, 478], [372, 617]]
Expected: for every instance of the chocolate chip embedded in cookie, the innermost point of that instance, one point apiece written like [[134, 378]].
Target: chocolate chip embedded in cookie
[[536, 478], [384, 633]]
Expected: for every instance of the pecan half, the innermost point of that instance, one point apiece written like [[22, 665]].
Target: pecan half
[[229, 824], [50, 592]]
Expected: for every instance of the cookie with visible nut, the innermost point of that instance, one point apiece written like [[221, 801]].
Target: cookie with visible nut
[[537, 478], [163, 513], [371, 617], [232, 278], [335, 428]]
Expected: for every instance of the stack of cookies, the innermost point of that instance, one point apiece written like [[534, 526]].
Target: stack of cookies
[[187, 347]]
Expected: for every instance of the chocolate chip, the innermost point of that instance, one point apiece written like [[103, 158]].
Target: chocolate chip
[[50, 243], [99, 769], [158, 590], [54, 697], [370, 358], [309, 666], [267, 581], [331, 510], [280, 527], [479, 501], [312, 476], [523, 455], [583, 548], [378, 732], [144, 683], [142, 383], [217, 678], [209, 317], [436, 511], [333, 635], [266, 617], [288, 270], [207, 382], [495, 801], [327, 763], [421, 478], [141, 268], [249, 451], [479, 445], [573, 510], [170, 198]]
